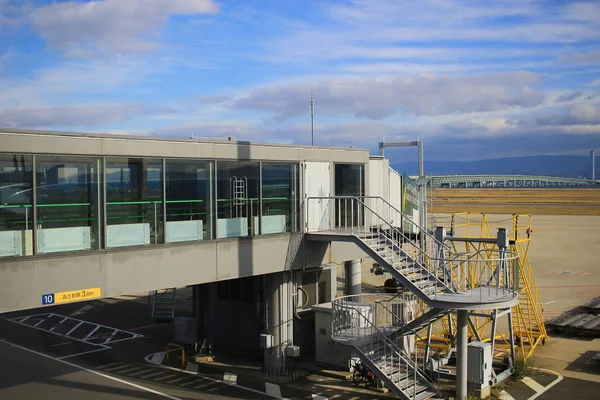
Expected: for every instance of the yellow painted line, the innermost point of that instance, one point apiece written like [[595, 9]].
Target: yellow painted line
[[77, 295]]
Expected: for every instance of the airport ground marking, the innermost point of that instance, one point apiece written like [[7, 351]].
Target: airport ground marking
[[149, 357], [87, 339], [135, 385]]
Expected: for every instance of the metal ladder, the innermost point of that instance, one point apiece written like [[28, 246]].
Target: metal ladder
[[163, 304]]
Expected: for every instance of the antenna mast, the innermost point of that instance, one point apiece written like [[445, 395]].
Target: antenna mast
[[312, 118]]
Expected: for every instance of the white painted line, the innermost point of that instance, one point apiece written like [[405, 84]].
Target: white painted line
[[128, 370], [505, 396], [28, 316], [39, 322], [51, 329], [175, 380], [111, 364], [203, 385], [140, 372], [550, 302], [91, 371], [82, 353], [230, 378], [76, 326], [207, 378], [191, 367], [63, 320], [111, 336], [559, 378], [157, 358], [153, 374], [60, 344], [62, 335], [92, 332], [133, 336], [170, 376], [318, 397], [272, 390], [532, 384], [118, 367]]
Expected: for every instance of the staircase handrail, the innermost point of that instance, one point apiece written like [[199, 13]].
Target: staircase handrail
[[419, 227], [384, 337], [404, 216], [421, 251], [395, 229]]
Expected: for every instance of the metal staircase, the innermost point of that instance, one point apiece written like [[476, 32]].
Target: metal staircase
[[429, 270], [366, 324], [417, 266], [163, 304]]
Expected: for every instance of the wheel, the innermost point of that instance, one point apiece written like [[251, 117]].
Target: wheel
[[357, 376], [368, 379]]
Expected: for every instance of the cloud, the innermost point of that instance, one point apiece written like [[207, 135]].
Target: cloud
[[432, 30], [380, 97], [215, 99], [77, 115], [575, 116], [589, 57], [12, 12], [569, 96], [237, 129], [106, 26], [86, 78]]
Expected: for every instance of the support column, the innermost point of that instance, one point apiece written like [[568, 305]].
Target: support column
[[353, 277], [201, 304], [279, 321], [461, 354]]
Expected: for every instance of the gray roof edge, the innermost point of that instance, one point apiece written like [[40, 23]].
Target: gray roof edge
[[233, 140]]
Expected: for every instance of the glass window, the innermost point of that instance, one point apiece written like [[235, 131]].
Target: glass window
[[279, 198], [133, 202], [16, 201], [68, 203], [189, 211], [349, 181], [237, 198]]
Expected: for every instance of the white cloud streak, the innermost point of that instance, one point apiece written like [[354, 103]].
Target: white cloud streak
[[381, 97], [109, 26], [77, 115]]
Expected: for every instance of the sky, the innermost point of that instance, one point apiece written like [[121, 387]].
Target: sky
[[471, 79]]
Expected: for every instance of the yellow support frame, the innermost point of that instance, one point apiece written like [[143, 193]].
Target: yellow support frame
[[528, 315]]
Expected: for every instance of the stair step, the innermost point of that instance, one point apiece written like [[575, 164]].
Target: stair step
[[405, 264], [409, 270], [426, 395], [424, 283], [418, 276]]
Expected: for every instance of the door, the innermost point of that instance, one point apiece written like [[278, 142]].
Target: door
[[317, 183]]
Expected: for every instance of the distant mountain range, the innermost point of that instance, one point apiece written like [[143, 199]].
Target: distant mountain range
[[566, 166]]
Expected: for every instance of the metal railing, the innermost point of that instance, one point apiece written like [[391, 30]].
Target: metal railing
[[368, 215], [366, 322], [380, 226], [495, 273]]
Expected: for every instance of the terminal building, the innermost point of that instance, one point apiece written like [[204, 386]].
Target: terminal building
[[256, 229]]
